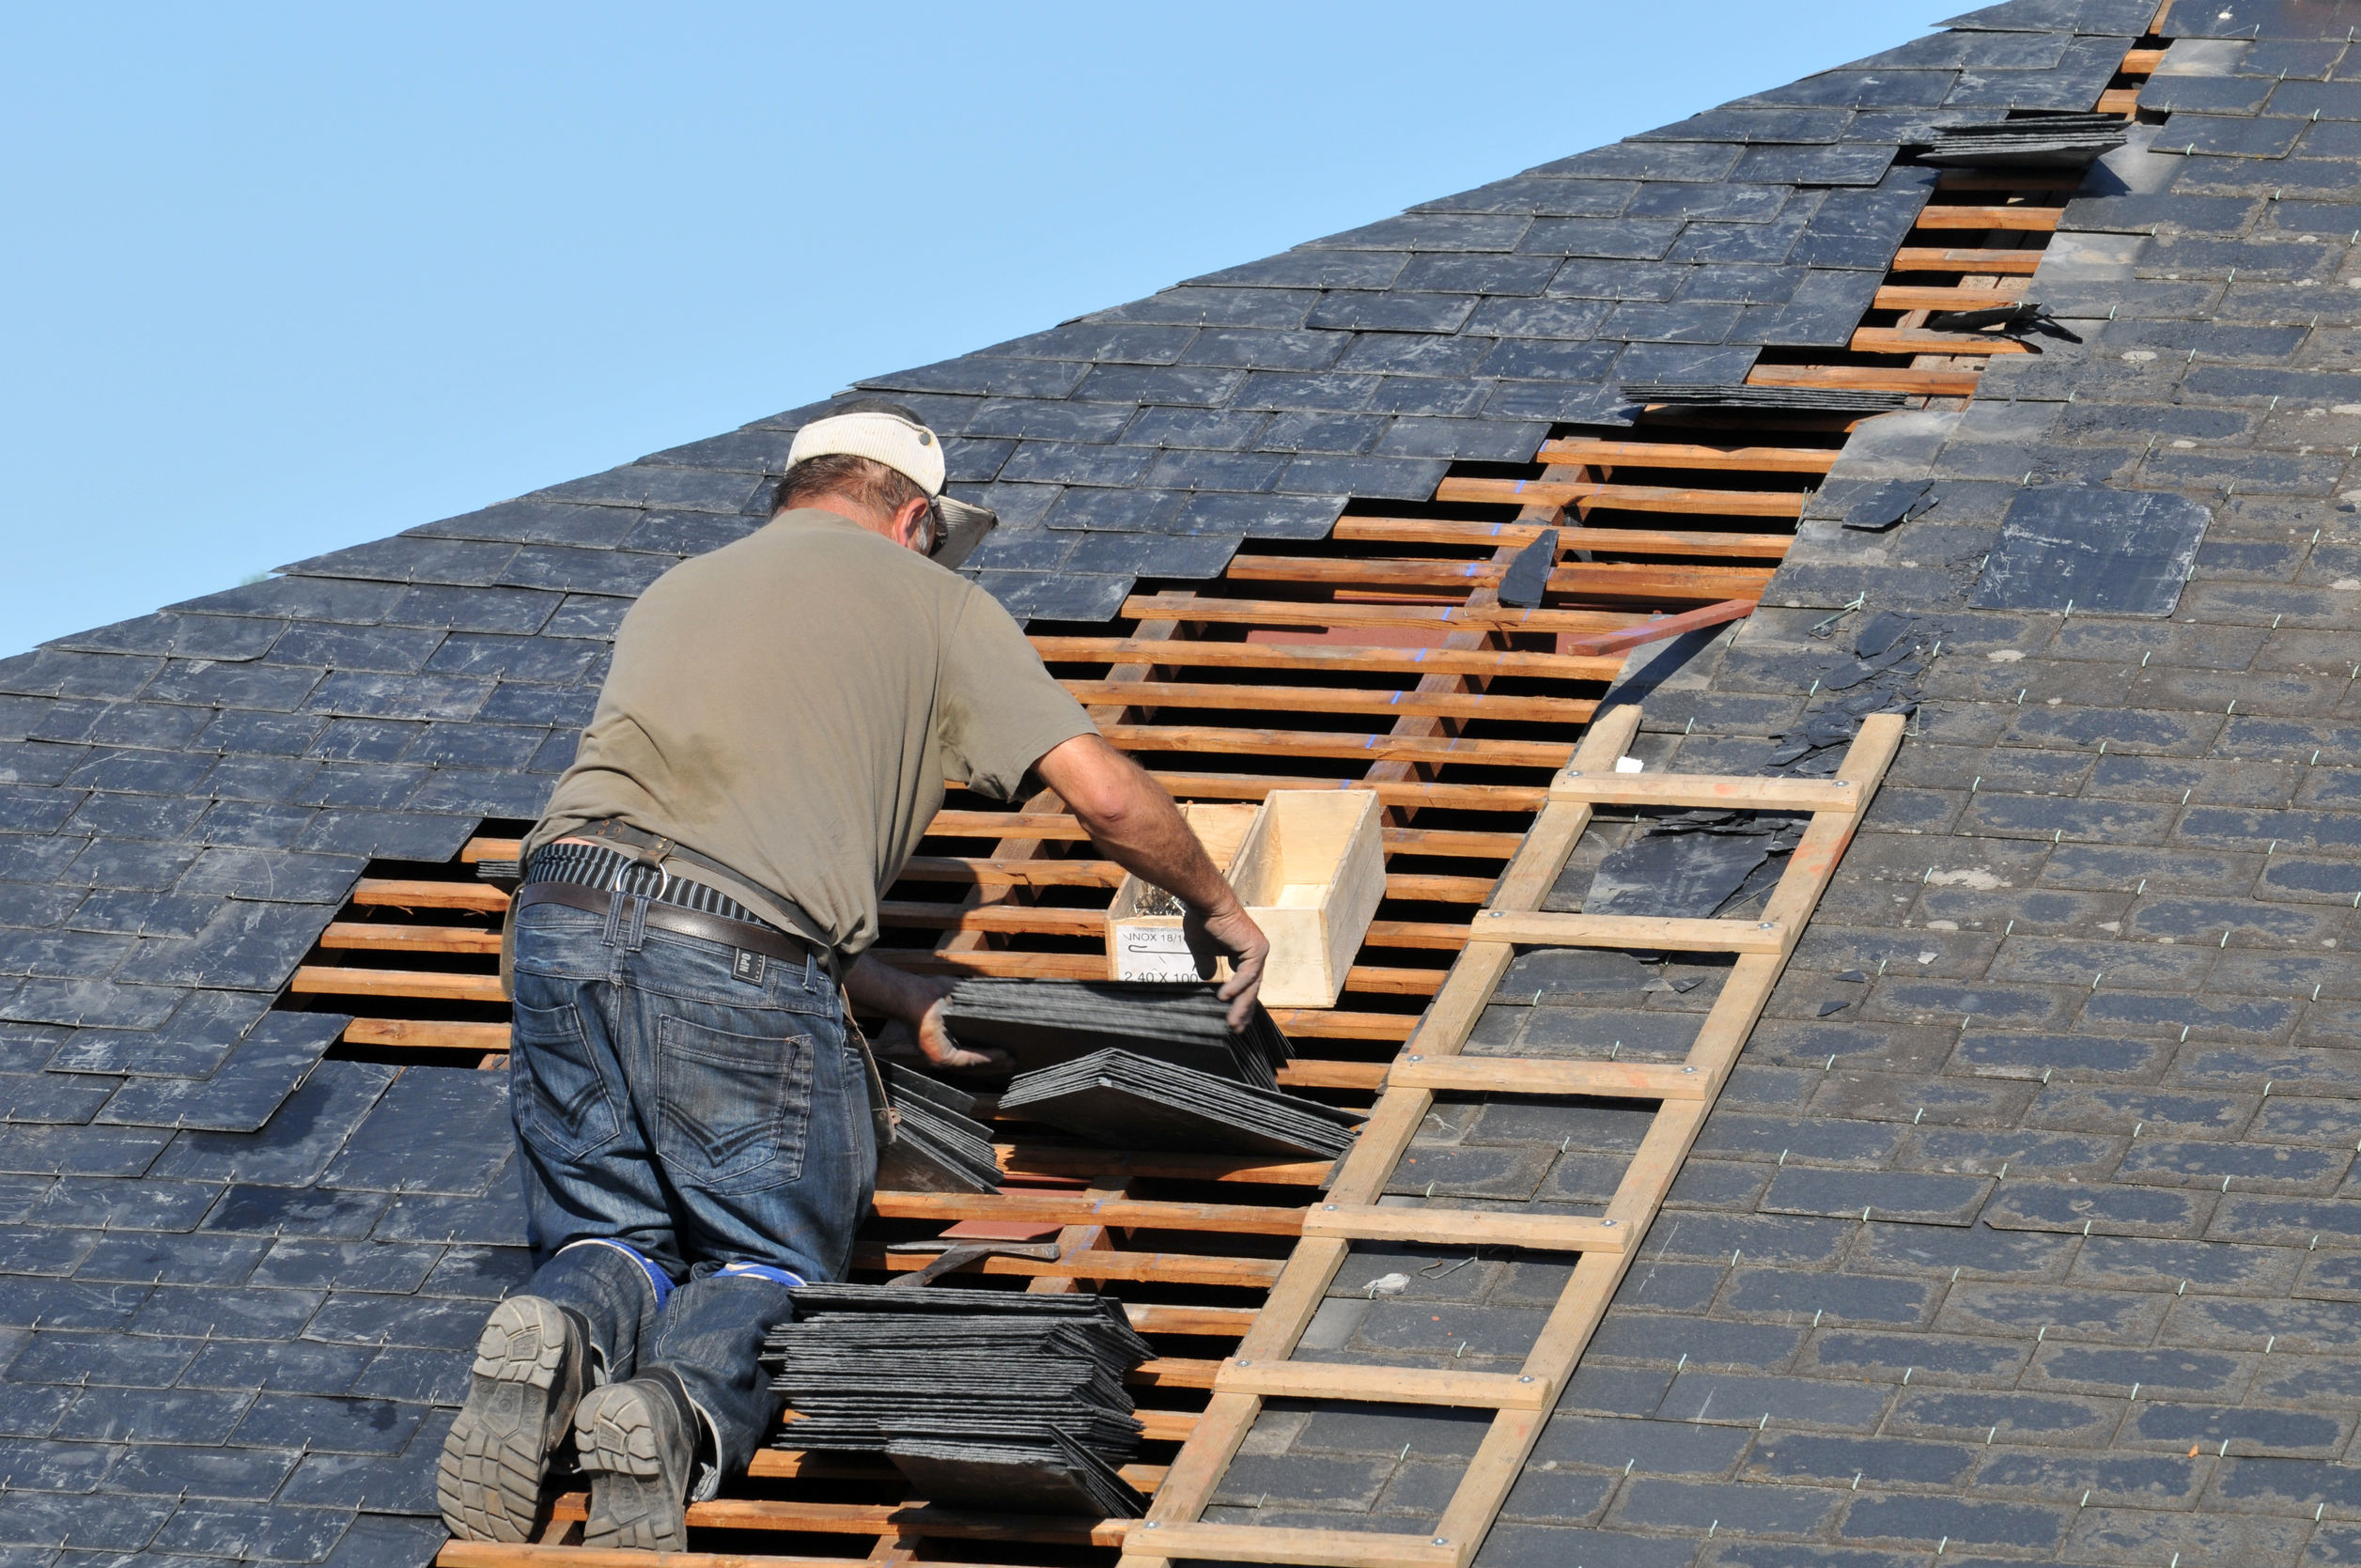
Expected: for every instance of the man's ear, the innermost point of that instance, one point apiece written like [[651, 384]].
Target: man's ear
[[911, 524]]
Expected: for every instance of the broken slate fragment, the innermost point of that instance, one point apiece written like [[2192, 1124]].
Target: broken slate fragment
[[1879, 633], [1896, 501], [1528, 577]]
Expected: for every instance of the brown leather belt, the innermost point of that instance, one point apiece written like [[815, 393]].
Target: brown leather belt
[[671, 917]]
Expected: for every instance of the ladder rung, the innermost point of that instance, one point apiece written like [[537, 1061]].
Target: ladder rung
[[1636, 933], [1474, 1391], [1545, 1233], [1508, 1074], [1705, 791]]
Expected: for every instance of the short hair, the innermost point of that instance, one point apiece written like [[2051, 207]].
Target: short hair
[[861, 479]]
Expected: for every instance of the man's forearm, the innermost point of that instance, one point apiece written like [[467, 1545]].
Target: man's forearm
[[879, 987], [1134, 822]]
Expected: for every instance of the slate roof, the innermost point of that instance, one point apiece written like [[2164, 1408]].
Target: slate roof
[[238, 1281]]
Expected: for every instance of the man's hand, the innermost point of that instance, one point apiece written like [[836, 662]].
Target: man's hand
[[1231, 933], [916, 1004], [1135, 824]]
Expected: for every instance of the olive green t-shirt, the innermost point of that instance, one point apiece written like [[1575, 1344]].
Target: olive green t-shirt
[[791, 706]]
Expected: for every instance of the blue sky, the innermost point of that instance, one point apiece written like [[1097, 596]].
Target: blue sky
[[285, 278]]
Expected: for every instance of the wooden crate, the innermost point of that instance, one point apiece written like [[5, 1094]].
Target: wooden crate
[[1149, 947], [1312, 873]]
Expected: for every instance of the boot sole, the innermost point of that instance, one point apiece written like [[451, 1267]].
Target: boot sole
[[638, 1480], [488, 1482]]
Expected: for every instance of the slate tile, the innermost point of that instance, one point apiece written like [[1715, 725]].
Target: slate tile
[[333, 1425], [350, 1266], [38, 1464], [258, 1533], [436, 1323], [436, 1130], [414, 1376], [251, 1083], [1889, 1195], [1959, 1414], [292, 1366], [84, 1360], [98, 1522], [1740, 1399], [149, 1258], [2251, 1431], [120, 1415], [292, 1211]]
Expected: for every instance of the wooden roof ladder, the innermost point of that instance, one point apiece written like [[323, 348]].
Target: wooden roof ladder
[[1433, 1061]]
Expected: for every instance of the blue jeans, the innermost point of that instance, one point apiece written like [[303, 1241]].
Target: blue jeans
[[704, 1110]]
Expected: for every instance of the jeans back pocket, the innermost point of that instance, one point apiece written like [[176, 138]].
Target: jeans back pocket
[[559, 1093], [731, 1110]]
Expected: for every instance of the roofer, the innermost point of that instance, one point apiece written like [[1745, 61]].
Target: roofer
[[696, 1123]]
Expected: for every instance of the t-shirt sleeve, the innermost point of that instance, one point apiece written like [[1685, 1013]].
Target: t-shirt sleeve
[[1000, 711]]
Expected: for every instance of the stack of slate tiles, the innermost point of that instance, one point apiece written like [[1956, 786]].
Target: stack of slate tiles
[[938, 1144], [2046, 141], [1786, 399], [1146, 1067], [1137, 1102], [988, 1399], [1042, 1023]]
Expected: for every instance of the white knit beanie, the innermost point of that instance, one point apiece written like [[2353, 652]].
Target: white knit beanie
[[901, 444]]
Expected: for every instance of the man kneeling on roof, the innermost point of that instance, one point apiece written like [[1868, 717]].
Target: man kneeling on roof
[[697, 1119]]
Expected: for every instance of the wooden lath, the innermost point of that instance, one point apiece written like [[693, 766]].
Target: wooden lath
[[1264, 1366]]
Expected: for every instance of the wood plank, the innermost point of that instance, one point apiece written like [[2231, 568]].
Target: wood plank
[[2118, 100], [1509, 1075], [422, 1034], [2025, 220], [387, 936], [1320, 1023], [1322, 1548], [1322, 743], [1323, 657], [1869, 378], [481, 849], [1473, 1390], [1624, 498], [1287, 613], [1929, 259], [1169, 1268], [2141, 62], [1623, 579], [1059, 1208], [1173, 1372], [1254, 786], [421, 984], [794, 1464], [389, 893], [1057, 824], [1649, 454], [1455, 1227], [1332, 699], [1896, 340], [1637, 932], [1318, 1073], [1896, 297], [1665, 625], [1704, 792], [1632, 541], [1153, 1317]]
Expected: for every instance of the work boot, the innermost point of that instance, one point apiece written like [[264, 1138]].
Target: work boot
[[638, 1443], [531, 1363]]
